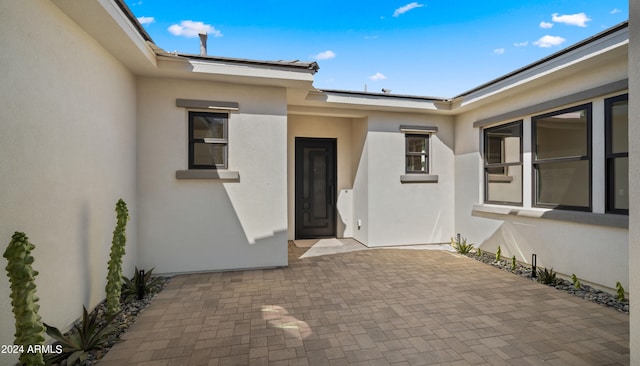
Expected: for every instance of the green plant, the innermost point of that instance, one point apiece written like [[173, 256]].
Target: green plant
[[498, 254], [619, 291], [29, 328], [461, 246], [576, 281], [114, 277], [148, 282], [89, 335], [479, 252], [513, 263], [547, 277]]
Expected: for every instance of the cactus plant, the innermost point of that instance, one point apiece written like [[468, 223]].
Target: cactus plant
[[576, 282], [29, 328], [114, 276], [619, 291], [498, 254], [513, 263]]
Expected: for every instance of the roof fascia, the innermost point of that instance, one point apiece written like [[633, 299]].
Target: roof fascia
[[211, 69], [600, 43], [376, 101], [108, 23]]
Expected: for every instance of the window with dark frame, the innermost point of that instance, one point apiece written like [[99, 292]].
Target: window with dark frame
[[208, 140], [617, 154], [503, 164], [417, 153], [562, 159]]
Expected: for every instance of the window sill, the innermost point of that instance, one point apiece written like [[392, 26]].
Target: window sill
[[418, 178], [498, 178], [589, 218], [208, 174]]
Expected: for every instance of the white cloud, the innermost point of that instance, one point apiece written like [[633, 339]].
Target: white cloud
[[549, 41], [499, 51], [521, 44], [377, 76], [546, 25], [370, 37], [579, 19], [326, 55], [615, 11], [146, 20], [190, 29], [403, 9]]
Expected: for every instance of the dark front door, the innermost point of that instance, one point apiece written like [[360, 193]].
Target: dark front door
[[315, 188]]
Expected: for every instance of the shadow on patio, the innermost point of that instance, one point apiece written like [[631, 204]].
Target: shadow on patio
[[371, 307]]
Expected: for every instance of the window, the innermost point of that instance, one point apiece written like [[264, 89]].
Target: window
[[207, 140], [417, 153], [562, 159], [617, 154], [503, 164]]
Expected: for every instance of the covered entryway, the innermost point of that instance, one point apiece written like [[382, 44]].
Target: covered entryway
[[315, 187]]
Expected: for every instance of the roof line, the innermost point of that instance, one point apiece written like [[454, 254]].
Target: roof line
[[582, 43], [386, 95], [311, 66], [134, 21]]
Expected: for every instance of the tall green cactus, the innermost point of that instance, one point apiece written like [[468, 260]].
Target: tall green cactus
[[114, 277], [29, 328]]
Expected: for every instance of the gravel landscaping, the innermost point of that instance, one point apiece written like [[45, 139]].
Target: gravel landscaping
[[585, 291], [127, 317]]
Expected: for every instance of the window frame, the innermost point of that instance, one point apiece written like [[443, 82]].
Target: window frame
[[426, 154], [535, 162], [215, 141], [488, 166], [610, 156]]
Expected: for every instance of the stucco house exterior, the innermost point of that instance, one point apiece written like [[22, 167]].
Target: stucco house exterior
[[222, 161]]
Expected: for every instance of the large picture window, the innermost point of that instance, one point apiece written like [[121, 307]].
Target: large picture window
[[503, 164], [562, 159], [207, 140], [617, 153]]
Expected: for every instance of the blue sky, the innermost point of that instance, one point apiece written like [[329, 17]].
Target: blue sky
[[430, 48]]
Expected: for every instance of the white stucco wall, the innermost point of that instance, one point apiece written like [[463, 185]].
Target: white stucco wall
[[67, 131], [360, 171], [634, 178], [201, 225], [408, 213], [324, 127], [595, 253]]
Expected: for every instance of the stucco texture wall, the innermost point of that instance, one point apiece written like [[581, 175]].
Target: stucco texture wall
[[203, 225], [595, 253], [68, 134], [408, 213], [634, 178]]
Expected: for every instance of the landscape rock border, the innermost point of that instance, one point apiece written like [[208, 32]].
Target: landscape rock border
[[585, 291]]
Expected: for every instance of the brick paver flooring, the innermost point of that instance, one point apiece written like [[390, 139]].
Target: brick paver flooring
[[371, 307]]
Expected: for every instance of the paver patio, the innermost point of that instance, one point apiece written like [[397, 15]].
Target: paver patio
[[371, 307]]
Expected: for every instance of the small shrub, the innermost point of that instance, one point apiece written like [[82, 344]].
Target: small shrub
[[130, 286], [576, 281], [90, 335], [479, 252], [462, 247], [513, 263], [547, 277], [498, 254], [619, 291]]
